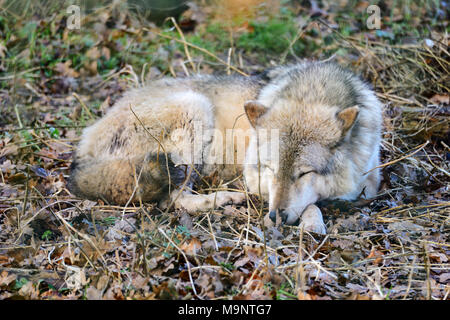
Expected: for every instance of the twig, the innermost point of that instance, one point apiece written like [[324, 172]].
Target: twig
[[185, 258], [186, 49], [41, 128], [410, 278], [26, 198], [83, 105], [160, 145], [399, 159], [300, 279], [427, 269]]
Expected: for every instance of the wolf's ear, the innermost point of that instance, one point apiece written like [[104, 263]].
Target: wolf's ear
[[254, 110], [348, 117]]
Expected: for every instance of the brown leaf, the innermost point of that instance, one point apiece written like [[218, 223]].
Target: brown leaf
[[440, 99], [69, 256], [93, 294], [17, 178], [204, 282], [102, 282], [191, 247], [5, 260], [65, 69], [75, 278], [8, 150], [114, 293], [438, 257], [357, 296], [93, 53], [6, 279], [303, 296], [241, 262], [48, 155], [377, 255], [139, 282], [51, 295], [28, 290]]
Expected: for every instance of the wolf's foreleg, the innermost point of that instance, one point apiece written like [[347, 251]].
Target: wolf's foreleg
[[204, 202]]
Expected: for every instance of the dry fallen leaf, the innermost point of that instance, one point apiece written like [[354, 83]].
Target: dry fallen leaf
[[65, 69], [438, 257], [303, 296], [75, 278], [8, 150], [377, 255], [440, 99], [6, 279], [191, 247], [93, 294], [29, 290], [93, 53]]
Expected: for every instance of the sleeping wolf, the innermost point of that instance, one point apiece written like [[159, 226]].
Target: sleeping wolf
[[324, 125]]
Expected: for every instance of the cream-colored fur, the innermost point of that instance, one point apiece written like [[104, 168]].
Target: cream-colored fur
[[325, 122]]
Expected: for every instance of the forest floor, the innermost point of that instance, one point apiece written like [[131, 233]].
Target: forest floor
[[55, 81]]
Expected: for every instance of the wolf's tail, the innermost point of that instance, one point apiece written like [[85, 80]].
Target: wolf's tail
[[120, 181]]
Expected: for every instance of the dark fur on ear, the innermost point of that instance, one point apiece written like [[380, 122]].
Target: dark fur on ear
[[254, 110], [348, 117]]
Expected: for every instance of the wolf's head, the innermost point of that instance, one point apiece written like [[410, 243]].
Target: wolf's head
[[310, 131]]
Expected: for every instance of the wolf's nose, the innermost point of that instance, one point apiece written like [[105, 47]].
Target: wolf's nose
[[273, 215], [281, 212]]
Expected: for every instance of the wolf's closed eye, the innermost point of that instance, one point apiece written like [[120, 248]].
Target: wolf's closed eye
[[301, 174]]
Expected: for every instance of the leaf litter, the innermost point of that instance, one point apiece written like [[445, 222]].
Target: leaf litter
[[55, 246]]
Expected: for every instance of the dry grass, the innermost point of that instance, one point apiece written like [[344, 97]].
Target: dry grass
[[393, 247]]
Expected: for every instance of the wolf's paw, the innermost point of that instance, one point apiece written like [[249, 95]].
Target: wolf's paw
[[204, 202], [312, 220], [224, 198], [289, 217]]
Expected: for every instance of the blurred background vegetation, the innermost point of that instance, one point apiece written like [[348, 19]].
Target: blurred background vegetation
[[54, 81], [262, 31]]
